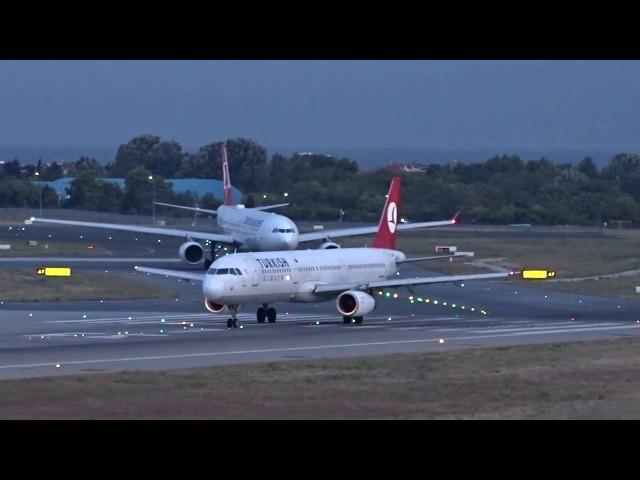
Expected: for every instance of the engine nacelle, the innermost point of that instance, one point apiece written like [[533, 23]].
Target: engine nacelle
[[215, 307], [191, 252], [354, 303], [328, 245]]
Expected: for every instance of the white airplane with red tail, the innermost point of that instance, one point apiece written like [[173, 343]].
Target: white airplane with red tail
[[348, 274]]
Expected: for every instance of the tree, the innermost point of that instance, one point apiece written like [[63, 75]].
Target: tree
[[12, 168], [587, 167], [139, 191], [133, 154], [52, 172], [88, 192], [247, 164]]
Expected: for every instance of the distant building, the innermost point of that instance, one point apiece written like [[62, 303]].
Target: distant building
[[399, 168]]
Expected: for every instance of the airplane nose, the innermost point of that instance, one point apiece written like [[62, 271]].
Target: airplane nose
[[213, 288], [291, 242]]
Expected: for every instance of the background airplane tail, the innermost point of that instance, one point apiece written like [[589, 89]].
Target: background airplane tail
[[387, 228], [226, 179]]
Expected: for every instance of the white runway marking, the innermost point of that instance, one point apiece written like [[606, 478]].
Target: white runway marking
[[307, 348], [571, 326]]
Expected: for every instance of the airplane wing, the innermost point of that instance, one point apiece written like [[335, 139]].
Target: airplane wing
[[215, 237], [195, 209], [269, 207], [349, 232], [435, 257], [198, 277], [406, 282]]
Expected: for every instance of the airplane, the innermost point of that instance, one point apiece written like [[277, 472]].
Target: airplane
[[251, 229], [351, 275]]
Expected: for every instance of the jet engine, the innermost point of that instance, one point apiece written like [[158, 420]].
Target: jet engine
[[354, 303], [214, 307], [327, 245], [191, 252]]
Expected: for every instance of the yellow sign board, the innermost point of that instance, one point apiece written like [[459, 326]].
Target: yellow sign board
[[538, 274], [54, 271]]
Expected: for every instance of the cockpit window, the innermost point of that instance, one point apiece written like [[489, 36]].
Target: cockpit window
[[224, 271], [283, 230]]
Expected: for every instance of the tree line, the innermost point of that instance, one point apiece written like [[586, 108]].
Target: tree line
[[504, 189]]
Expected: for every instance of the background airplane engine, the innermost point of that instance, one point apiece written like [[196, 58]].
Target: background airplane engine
[[327, 245], [215, 307], [354, 303], [191, 252]]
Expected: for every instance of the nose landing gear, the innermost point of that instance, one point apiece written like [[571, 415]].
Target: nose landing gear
[[233, 321]]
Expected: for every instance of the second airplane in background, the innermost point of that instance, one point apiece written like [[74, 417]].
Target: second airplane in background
[[250, 229]]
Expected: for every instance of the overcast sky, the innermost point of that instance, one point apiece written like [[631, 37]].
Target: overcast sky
[[336, 104]]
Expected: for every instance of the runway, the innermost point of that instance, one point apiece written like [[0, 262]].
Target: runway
[[61, 338]]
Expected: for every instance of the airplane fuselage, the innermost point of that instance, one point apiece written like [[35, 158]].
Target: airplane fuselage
[[286, 276], [258, 230]]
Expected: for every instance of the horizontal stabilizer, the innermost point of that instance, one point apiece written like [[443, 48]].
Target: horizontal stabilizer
[[269, 207], [195, 209], [435, 257]]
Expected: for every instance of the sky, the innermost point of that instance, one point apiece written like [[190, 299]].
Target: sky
[[332, 104]]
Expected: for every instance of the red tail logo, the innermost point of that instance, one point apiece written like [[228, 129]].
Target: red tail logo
[[386, 237], [226, 179]]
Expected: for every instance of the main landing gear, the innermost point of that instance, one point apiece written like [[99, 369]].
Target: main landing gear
[[266, 313], [233, 321]]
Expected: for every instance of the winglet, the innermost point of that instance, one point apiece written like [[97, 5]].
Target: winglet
[[456, 217]]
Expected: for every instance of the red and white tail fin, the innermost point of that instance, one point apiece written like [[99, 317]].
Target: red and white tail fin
[[387, 228], [226, 179]]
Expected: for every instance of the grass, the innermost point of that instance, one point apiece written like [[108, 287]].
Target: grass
[[23, 285], [599, 379], [570, 254]]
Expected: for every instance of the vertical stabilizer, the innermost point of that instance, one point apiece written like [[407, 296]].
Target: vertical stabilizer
[[226, 179], [387, 228]]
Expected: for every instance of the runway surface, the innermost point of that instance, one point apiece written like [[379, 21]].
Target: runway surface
[[60, 338]]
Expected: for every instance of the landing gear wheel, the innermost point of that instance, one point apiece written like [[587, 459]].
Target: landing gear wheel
[[232, 323], [271, 315], [358, 320], [261, 314], [346, 320]]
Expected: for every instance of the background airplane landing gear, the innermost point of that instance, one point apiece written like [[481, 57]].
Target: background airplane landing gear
[[261, 314], [271, 315]]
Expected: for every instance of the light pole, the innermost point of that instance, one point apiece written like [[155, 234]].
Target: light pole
[[39, 192], [153, 206]]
